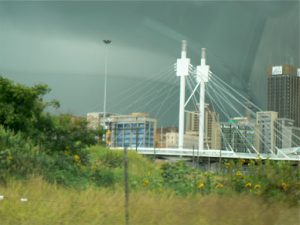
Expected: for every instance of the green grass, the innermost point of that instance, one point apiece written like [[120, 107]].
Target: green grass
[[51, 204]]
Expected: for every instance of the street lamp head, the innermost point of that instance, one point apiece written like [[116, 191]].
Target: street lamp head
[[107, 41]]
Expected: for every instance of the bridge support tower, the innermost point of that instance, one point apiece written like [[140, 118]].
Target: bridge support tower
[[182, 70]]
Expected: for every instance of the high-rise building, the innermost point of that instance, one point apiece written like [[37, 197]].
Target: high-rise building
[[192, 121], [296, 137], [238, 134], [284, 92], [265, 131], [134, 130], [211, 127], [212, 131], [284, 133]]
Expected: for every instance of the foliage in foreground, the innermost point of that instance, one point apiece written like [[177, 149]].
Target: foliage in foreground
[[104, 168], [268, 179], [52, 204], [33, 141]]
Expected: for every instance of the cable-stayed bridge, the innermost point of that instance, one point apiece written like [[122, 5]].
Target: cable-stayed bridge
[[204, 86]]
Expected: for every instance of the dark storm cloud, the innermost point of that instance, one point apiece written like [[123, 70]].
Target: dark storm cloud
[[60, 43]]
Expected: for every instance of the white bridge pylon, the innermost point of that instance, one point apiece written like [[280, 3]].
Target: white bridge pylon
[[183, 68]]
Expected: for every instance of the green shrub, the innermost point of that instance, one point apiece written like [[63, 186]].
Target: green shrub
[[180, 177], [66, 170], [112, 159], [103, 177], [17, 155]]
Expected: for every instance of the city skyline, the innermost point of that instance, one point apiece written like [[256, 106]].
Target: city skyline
[[60, 44]]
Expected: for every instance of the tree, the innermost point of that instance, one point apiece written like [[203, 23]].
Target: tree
[[69, 133], [22, 107]]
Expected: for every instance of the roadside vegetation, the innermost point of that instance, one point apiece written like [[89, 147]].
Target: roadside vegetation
[[64, 175], [55, 204]]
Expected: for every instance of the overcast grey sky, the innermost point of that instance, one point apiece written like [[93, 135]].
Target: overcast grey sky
[[60, 43]]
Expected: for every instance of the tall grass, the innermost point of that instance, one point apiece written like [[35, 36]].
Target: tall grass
[[52, 204]]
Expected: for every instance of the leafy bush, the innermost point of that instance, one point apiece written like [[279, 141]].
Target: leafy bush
[[17, 155], [19, 158], [103, 177], [180, 177], [112, 159], [270, 179], [66, 133], [35, 142], [21, 107], [66, 170]]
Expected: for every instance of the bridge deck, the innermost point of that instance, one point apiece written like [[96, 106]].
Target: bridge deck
[[213, 153]]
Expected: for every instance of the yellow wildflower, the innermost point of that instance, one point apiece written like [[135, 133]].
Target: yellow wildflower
[[257, 186], [219, 185], [284, 186], [76, 158], [238, 173], [146, 182], [248, 185], [201, 185]]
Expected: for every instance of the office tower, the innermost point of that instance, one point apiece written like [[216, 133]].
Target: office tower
[[296, 136], [265, 131], [238, 134], [212, 131], [211, 127], [284, 92], [284, 133], [192, 121]]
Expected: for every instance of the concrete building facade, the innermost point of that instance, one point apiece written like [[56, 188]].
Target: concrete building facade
[[212, 132], [190, 140], [160, 137], [265, 131], [284, 133], [93, 120]]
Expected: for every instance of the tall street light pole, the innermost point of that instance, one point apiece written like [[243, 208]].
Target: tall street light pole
[[106, 42]]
